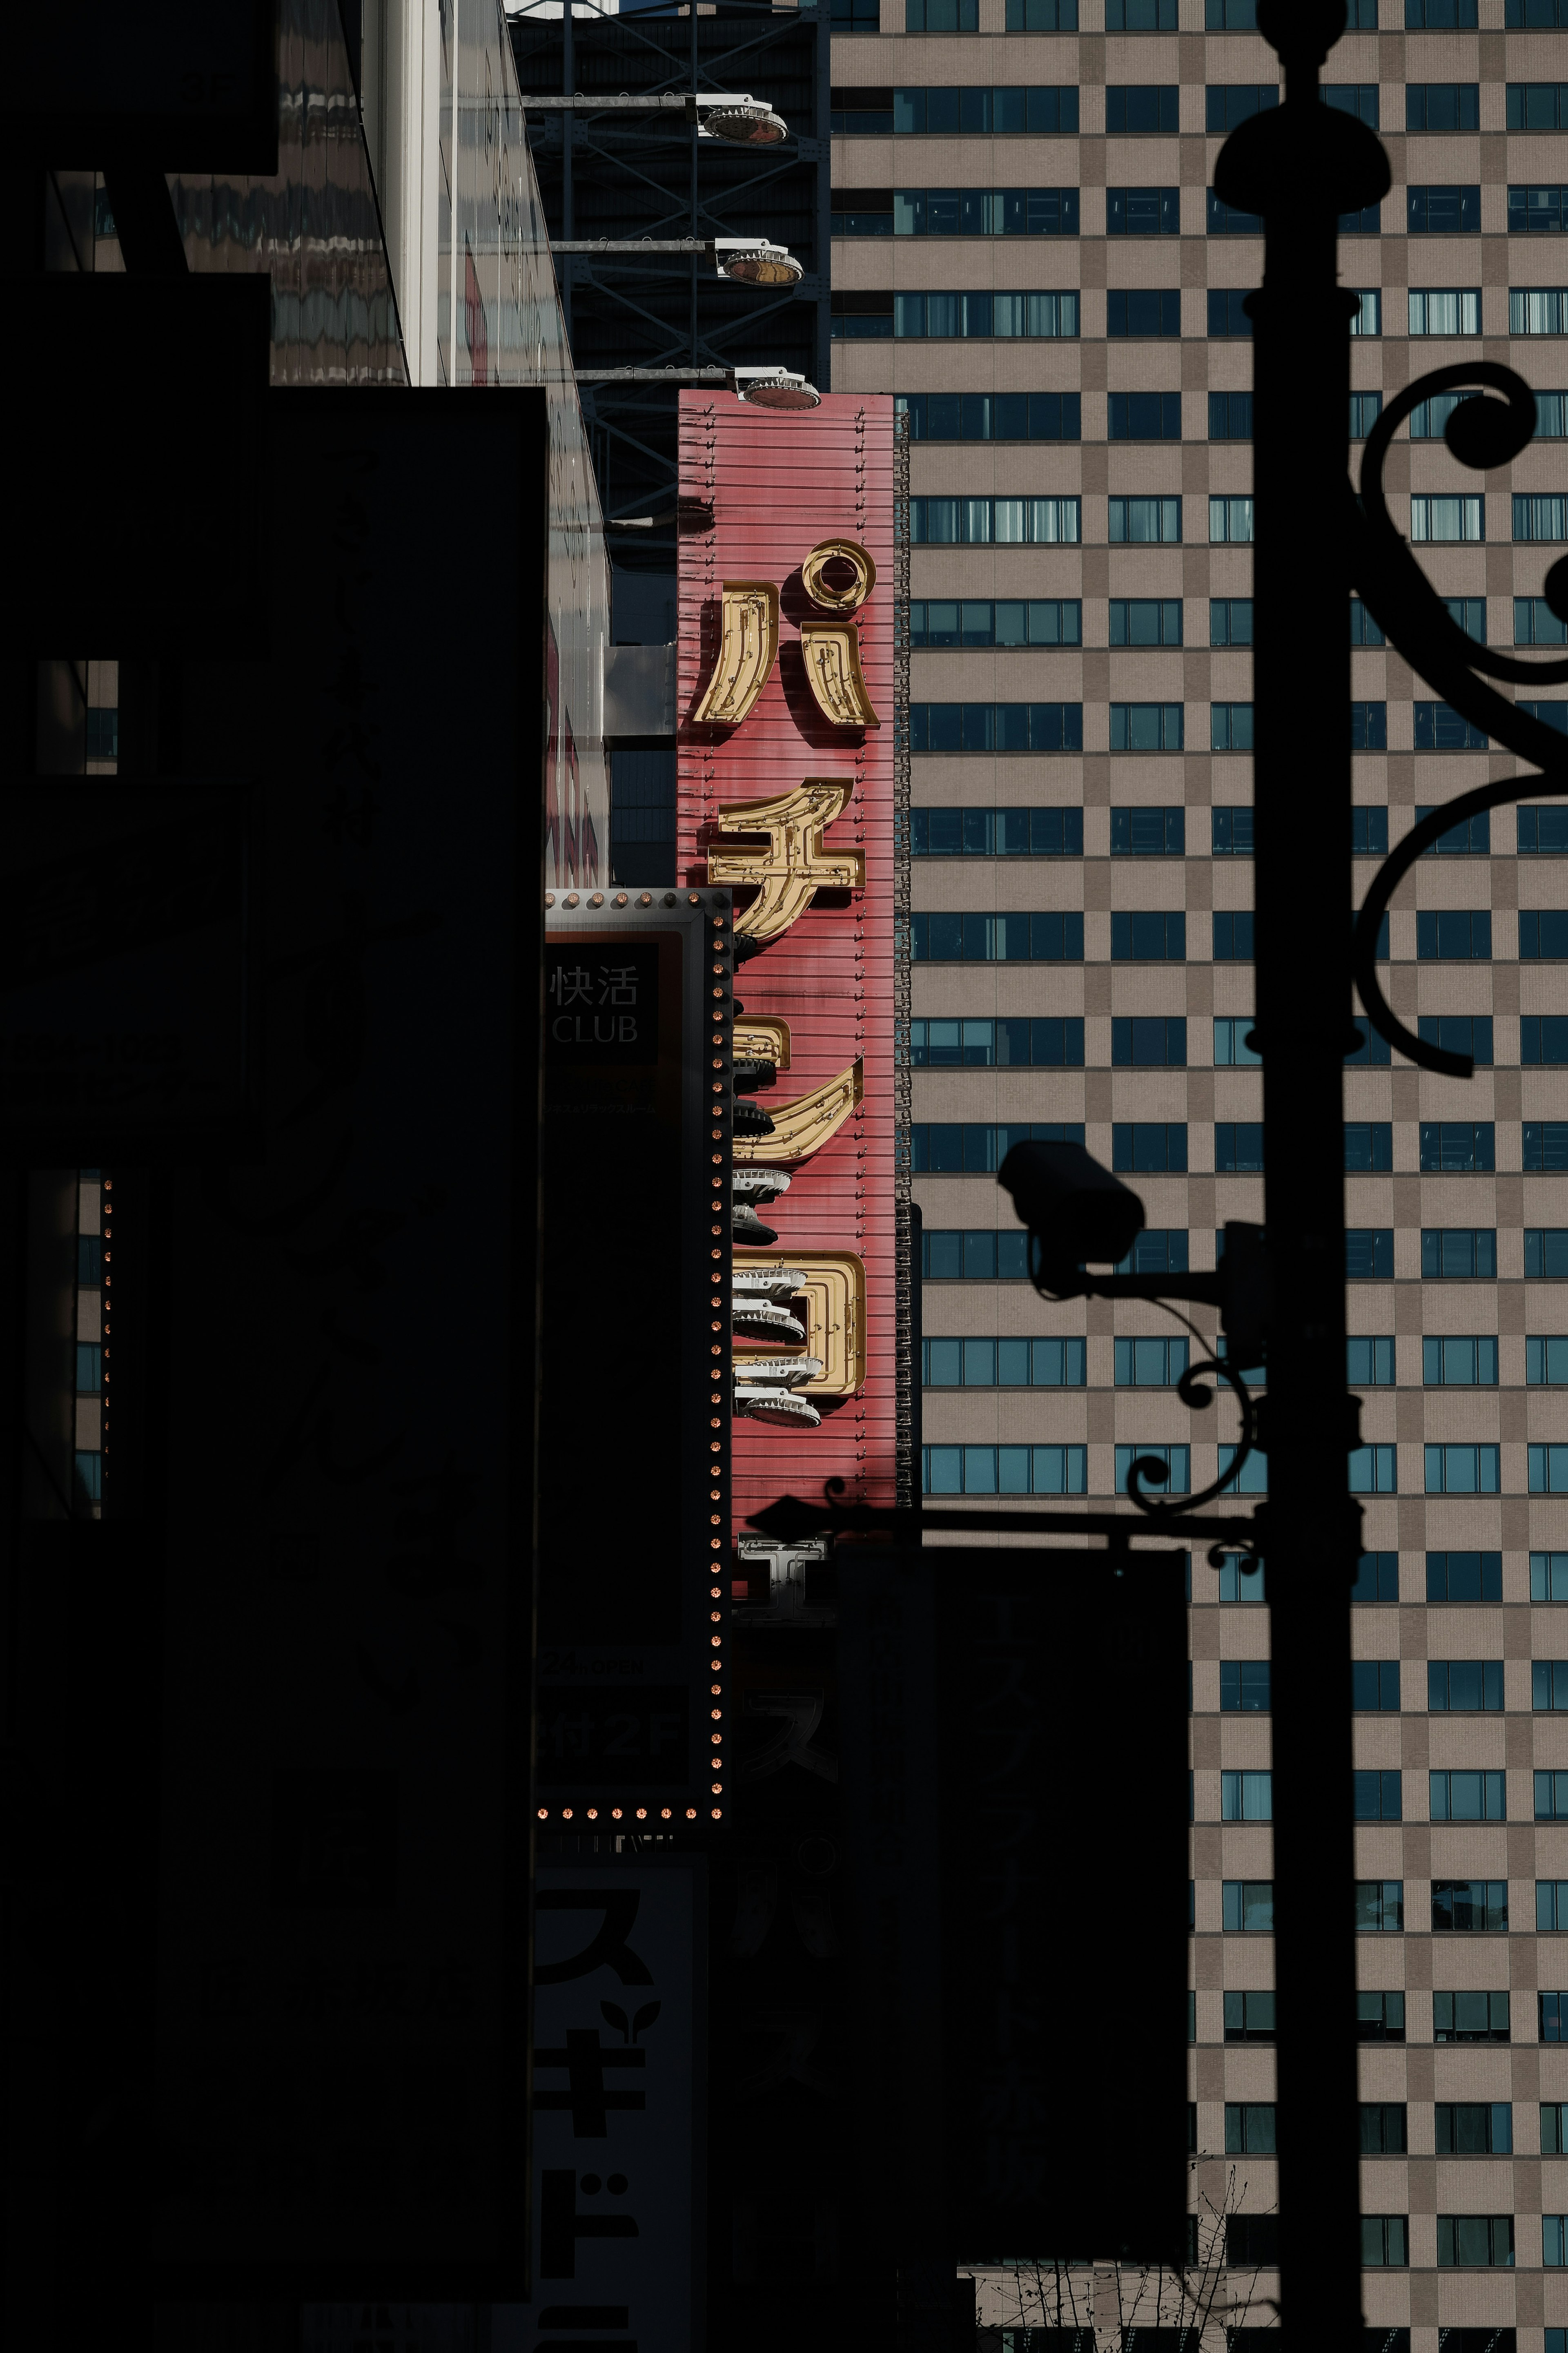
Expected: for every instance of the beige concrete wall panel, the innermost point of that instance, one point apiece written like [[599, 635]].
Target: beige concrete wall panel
[[1011, 675], [1229, 468], [1249, 2073], [1140, 57], [973, 1418], [1147, 367], [1164, 1199], [1235, 1197], [1444, 154], [1384, 2073], [1384, 2186], [1453, 988], [1040, 989], [1376, 1743], [1007, 1096], [1369, 1095], [1232, 261], [1444, 1098], [1148, 1094], [1546, 1203], [1382, 1416], [1002, 884], [1455, 1524], [993, 570], [1378, 1854], [1242, 1634], [1453, 571], [1461, 1416], [979, 782], [1460, 1201], [1448, 1307], [1541, 986], [867, 163], [1370, 784], [1246, 1849], [1230, 571], [864, 367], [1462, 1633], [1369, 1201], [962, 1310], [1144, 882], [867, 261], [957, 1200], [1002, 160], [1142, 674], [1143, 571], [1233, 888], [1146, 468], [1238, 1094], [1247, 1963], [1139, 262], [946, 990], [1372, 1307], [1158, 1417], [1011, 1310], [965, 884], [1544, 1095], [1445, 881], [1537, 468]]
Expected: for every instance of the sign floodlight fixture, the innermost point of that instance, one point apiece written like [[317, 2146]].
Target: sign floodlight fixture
[[743, 122], [734, 116], [760, 388], [774, 387], [756, 262], [747, 260]]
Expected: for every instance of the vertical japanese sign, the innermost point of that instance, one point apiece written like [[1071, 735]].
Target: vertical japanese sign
[[786, 793], [619, 2105], [634, 1428]]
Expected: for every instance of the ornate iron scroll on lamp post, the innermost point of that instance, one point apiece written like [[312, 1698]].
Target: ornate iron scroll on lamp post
[[1299, 166]]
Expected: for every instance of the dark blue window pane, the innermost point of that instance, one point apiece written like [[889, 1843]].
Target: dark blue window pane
[[1369, 1253], [1232, 936]]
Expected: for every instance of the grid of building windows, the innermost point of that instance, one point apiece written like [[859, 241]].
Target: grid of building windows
[[1105, 564]]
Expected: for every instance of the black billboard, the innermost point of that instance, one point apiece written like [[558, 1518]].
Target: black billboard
[[635, 1389], [1015, 1757]]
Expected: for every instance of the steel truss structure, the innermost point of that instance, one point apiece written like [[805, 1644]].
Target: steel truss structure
[[625, 174]]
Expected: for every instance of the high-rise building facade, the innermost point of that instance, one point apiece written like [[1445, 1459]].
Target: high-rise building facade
[[1030, 254]]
